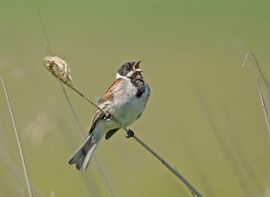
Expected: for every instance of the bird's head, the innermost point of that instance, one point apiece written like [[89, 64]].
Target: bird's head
[[128, 70]]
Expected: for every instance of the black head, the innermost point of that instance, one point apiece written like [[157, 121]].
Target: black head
[[128, 69]]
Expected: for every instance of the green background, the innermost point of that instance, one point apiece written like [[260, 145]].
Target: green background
[[204, 115]]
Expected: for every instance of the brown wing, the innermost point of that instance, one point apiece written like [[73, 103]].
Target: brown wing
[[103, 102], [108, 96]]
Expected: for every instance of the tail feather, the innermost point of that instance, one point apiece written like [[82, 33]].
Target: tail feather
[[83, 155]]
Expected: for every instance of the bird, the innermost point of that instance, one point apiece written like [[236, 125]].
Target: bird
[[122, 104]]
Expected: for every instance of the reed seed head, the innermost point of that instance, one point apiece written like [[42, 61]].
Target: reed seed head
[[58, 67]]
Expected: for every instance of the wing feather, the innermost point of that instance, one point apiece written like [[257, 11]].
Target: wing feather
[[105, 101]]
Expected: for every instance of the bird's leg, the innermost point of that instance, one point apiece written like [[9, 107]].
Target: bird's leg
[[130, 133], [108, 116]]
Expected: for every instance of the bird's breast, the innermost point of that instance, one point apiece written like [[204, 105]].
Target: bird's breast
[[131, 106]]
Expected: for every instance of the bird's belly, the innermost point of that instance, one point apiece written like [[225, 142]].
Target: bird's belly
[[130, 111]]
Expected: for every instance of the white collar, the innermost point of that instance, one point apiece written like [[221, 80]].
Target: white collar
[[118, 76]]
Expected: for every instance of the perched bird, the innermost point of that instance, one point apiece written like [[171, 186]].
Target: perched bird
[[125, 100]]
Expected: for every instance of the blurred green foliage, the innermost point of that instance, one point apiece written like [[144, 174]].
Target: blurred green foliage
[[204, 114]]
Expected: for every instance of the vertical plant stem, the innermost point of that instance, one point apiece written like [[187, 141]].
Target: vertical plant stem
[[107, 183], [98, 165], [29, 188], [263, 106], [104, 176], [263, 86]]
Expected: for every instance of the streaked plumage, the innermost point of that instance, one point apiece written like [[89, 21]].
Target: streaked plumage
[[125, 100]]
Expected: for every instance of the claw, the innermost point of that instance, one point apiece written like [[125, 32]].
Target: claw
[[130, 133], [108, 117]]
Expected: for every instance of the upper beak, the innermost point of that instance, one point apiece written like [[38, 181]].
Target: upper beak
[[137, 66]]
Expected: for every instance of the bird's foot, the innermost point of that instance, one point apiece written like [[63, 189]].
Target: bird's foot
[[108, 117], [130, 133]]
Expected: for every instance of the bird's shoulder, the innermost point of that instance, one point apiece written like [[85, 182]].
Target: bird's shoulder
[[109, 94], [107, 98]]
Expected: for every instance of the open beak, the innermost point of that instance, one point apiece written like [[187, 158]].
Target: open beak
[[136, 66]]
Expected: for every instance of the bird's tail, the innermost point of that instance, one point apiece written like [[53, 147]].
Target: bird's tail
[[83, 155]]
